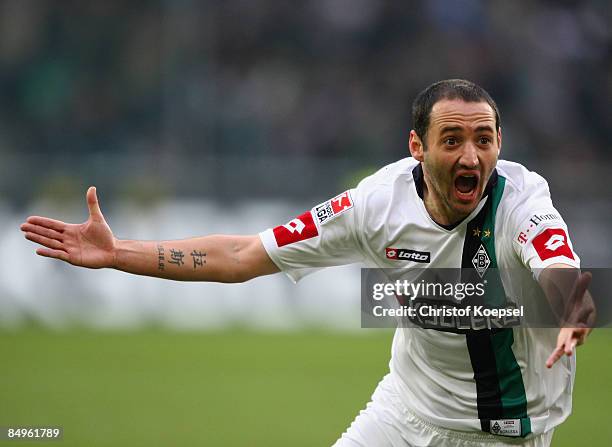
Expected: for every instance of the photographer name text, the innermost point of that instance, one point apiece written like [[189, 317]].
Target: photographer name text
[[425, 311]]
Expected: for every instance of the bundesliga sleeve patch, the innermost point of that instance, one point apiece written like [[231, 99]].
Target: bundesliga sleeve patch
[[298, 229], [551, 243], [327, 211]]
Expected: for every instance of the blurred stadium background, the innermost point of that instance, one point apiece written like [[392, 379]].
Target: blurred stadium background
[[197, 117]]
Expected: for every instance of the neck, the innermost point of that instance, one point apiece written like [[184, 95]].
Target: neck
[[437, 209]]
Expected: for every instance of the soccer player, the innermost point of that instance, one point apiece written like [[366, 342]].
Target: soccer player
[[451, 203]]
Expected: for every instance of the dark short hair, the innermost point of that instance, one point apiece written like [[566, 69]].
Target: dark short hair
[[448, 89]]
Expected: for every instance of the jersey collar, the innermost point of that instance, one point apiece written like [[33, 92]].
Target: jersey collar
[[417, 174]]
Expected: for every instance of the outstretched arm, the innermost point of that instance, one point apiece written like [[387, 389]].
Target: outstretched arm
[[567, 290], [219, 258]]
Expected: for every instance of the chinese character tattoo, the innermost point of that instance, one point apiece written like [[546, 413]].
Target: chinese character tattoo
[[198, 259], [176, 257]]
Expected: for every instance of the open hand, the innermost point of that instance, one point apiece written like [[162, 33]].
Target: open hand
[[90, 244]]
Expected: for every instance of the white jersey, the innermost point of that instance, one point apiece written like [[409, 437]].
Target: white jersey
[[480, 379]]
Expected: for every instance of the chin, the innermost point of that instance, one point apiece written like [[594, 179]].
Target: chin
[[464, 209], [466, 203]]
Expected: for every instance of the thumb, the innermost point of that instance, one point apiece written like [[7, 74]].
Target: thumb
[[92, 203]]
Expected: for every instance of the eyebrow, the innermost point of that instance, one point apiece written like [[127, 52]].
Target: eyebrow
[[459, 129], [484, 129], [450, 129]]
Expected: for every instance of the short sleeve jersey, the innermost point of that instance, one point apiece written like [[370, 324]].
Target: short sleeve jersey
[[479, 380]]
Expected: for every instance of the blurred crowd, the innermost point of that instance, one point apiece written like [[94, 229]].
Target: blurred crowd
[[230, 98]]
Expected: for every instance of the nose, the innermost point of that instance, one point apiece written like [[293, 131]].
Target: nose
[[469, 156]]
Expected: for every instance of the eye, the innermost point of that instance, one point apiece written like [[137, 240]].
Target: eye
[[484, 140], [451, 141]]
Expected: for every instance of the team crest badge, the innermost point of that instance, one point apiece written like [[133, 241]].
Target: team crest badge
[[481, 261]]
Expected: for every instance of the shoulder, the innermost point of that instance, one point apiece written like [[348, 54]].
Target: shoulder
[[387, 176], [375, 194], [526, 197], [377, 190], [519, 179]]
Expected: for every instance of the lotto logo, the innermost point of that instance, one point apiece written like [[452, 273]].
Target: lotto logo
[[555, 241], [326, 211], [551, 243], [298, 229], [403, 254], [295, 225]]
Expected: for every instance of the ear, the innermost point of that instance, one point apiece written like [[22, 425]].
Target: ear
[[416, 146], [499, 139]]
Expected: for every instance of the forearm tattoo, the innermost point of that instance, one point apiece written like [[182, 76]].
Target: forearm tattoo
[[198, 258], [176, 257], [160, 257]]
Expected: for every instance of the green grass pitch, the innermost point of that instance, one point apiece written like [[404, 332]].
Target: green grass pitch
[[231, 388]]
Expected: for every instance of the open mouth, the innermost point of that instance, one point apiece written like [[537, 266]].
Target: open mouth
[[466, 185]]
